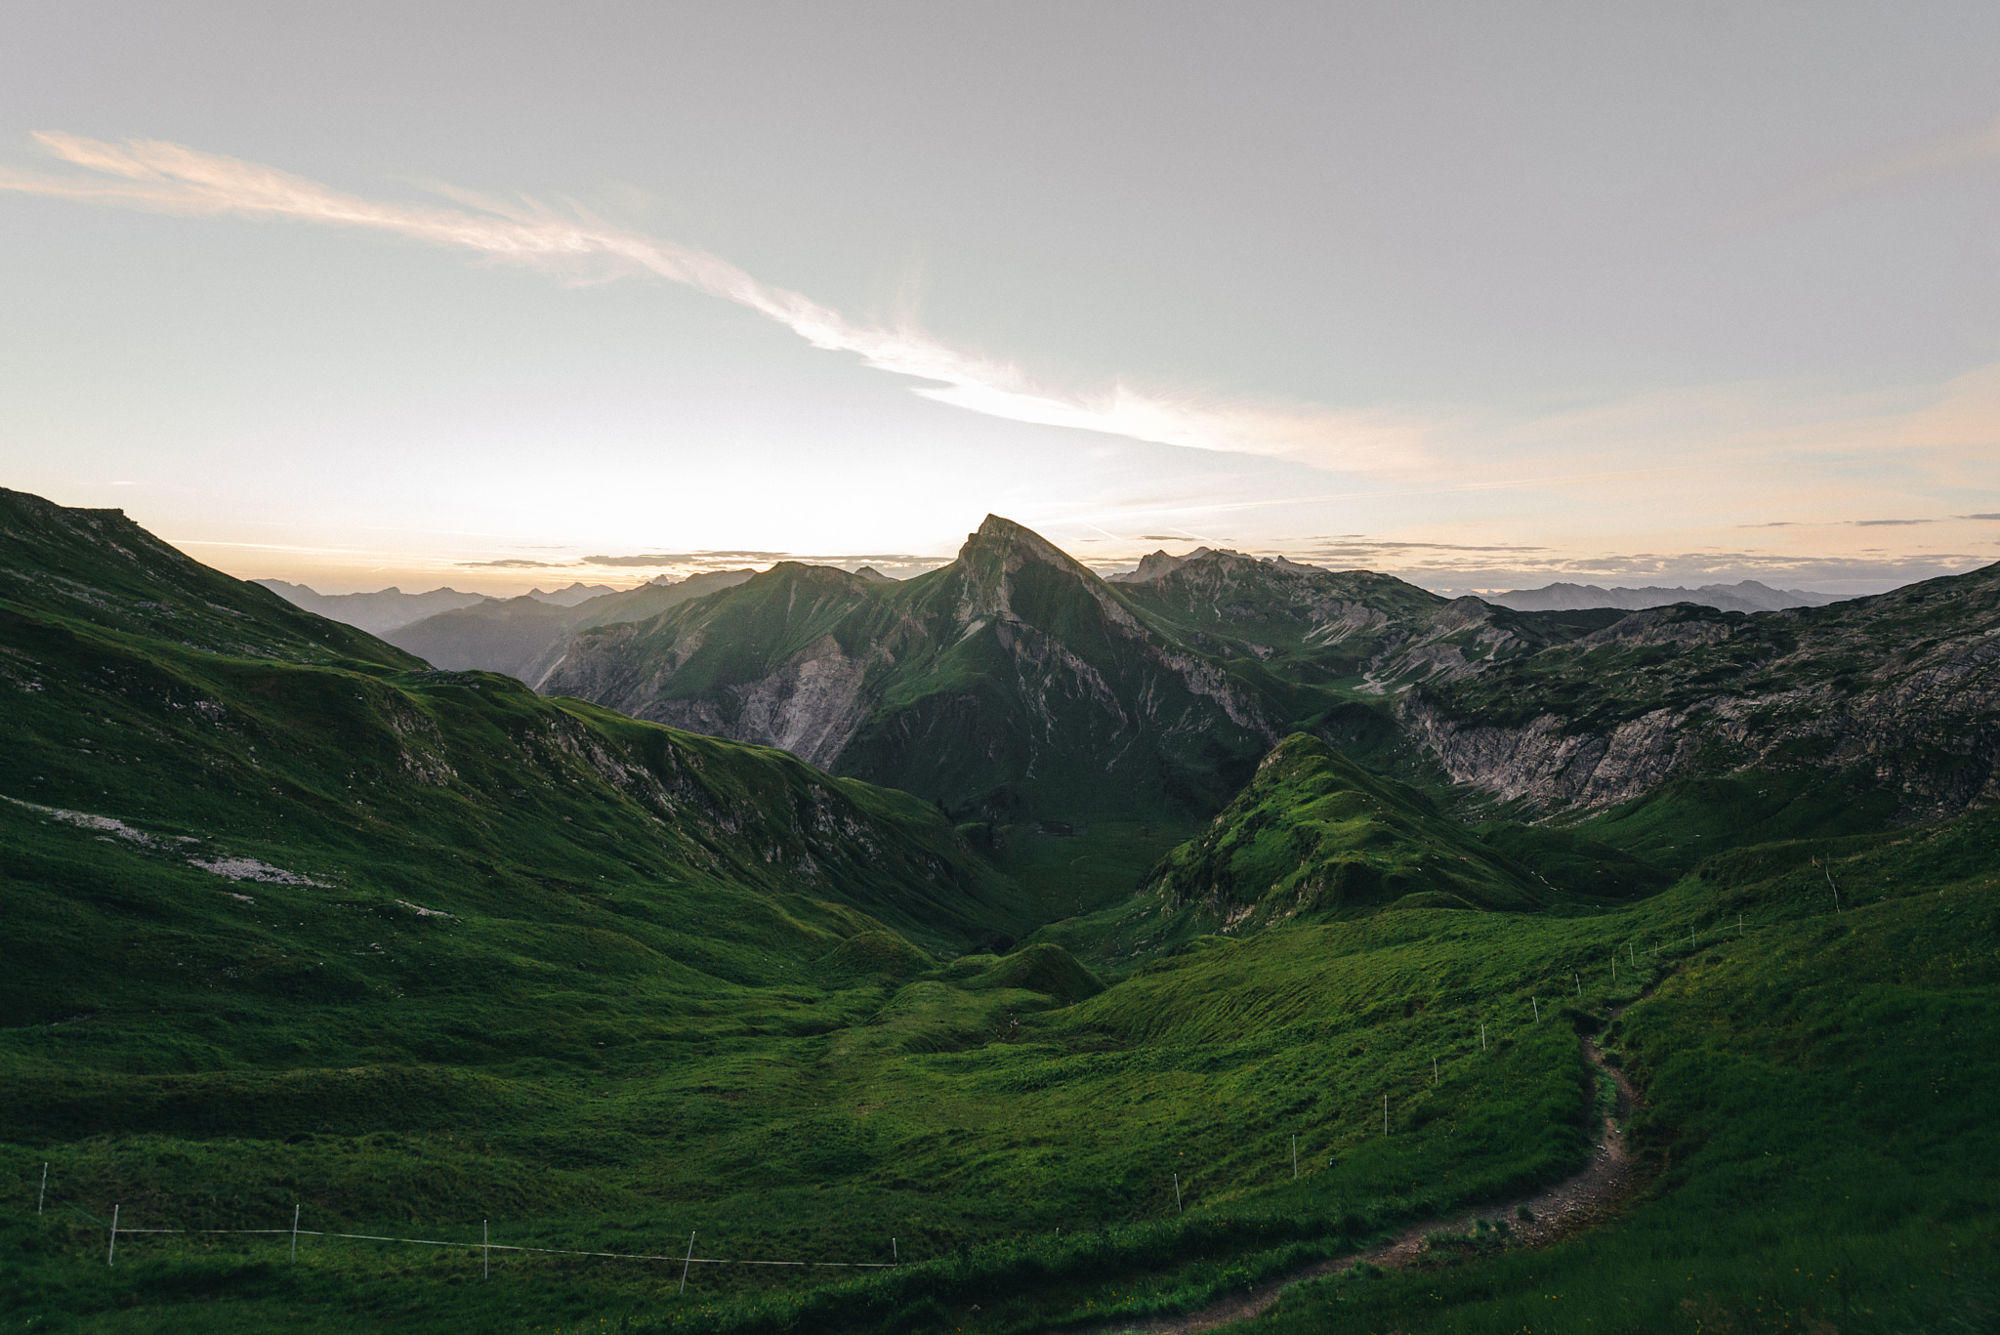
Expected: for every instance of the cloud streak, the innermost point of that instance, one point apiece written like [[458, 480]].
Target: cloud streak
[[162, 177], [1872, 173], [692, 562]]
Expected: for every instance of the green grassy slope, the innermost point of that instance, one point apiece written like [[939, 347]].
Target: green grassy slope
[[411, 947], [351, 771], [1315, 833], [415, 950], [101, 568], [588, 1093], [1819, 1120]]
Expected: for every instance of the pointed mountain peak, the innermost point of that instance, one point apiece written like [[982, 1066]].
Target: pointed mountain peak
[[1005, 538], [993, 561]]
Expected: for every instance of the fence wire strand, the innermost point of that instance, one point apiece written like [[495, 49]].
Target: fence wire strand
[[499, 1247], [123, 1231]]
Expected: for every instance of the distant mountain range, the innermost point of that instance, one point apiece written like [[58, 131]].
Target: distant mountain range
[[525, 637], [1744, 596], [389, 609], [1013, 680], [384, 609], [509, 636]]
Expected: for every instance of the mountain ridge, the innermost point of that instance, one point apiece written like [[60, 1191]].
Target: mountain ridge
[[1013, 647], [1747, 595], [526, 636]]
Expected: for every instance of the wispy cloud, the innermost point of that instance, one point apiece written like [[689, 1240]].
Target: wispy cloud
[[1868, 523], [1472, 569], [1871, 173], [684, 558], [681, 563], [165, 177]]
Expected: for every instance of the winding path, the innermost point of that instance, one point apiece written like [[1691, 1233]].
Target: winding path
[[1573, 1203]]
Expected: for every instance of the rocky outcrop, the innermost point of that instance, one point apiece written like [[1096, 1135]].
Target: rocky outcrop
[[1541, 763], [1896, 695]]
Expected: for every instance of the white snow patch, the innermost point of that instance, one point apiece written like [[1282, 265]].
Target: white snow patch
[[89, 822], [235, 869], [250, 869], [423, 912]]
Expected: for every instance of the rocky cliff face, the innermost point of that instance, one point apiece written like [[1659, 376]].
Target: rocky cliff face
[[1898, 695]]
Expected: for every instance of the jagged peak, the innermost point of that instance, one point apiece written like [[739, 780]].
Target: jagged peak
[[1158, 565], [1005, 537], [989, 561]]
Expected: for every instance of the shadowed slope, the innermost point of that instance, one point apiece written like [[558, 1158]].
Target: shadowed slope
[[1011, 679], [98, 567]]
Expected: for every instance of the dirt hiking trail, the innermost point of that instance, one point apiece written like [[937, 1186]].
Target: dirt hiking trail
[[1574, 1203]]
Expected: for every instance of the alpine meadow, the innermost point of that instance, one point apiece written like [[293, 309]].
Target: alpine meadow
[[422, 952], [878, 668]]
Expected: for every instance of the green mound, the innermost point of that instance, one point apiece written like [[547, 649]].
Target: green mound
[[1315, 834], [1041, 967], [872, 955]]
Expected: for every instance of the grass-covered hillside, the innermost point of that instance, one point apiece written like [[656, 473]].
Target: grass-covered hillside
[[293, 922], [100, 568], [1818, 1136], [1314, 835]]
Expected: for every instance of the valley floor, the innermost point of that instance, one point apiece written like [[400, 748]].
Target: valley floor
[[1816, 1142]]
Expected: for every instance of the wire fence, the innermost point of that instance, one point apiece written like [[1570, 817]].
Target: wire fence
[[117, 1231], [483, 1246]]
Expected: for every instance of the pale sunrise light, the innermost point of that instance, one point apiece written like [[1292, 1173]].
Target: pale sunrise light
[[1293, 325], [169, 178], [874, 667]]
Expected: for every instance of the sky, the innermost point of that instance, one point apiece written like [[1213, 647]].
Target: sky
[[1485, 295]]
